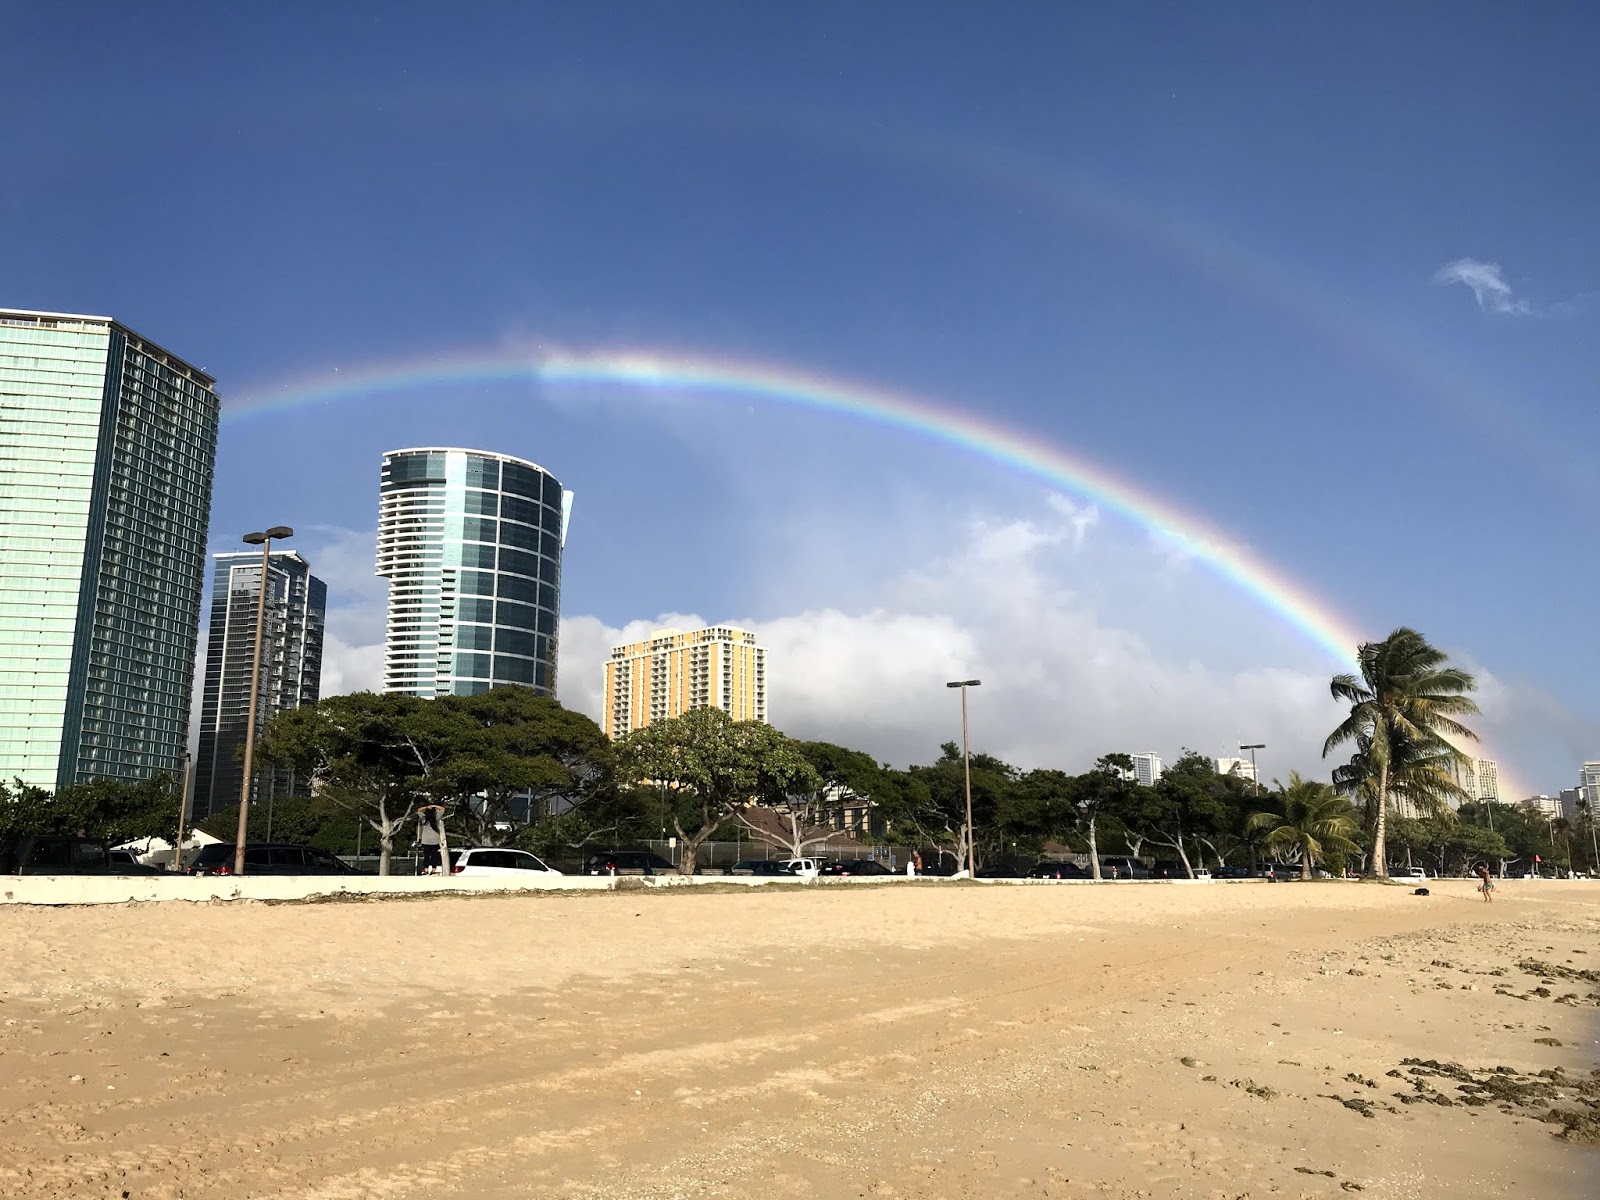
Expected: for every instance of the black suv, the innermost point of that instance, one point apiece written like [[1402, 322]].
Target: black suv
[[627, 862], [268, 858], [56, 854]]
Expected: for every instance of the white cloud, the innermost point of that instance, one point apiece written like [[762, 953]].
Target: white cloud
[[1012, 603], [1488, 285], [1081, 517]]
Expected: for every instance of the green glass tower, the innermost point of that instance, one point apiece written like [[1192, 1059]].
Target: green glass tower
[[107, 445]]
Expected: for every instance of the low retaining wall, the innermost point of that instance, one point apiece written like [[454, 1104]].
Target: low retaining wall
[[125, 889]]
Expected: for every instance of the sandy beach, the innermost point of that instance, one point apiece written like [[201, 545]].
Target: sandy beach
[[1300, 1040]]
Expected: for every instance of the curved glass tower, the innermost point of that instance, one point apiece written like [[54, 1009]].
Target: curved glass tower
[[470, 543]]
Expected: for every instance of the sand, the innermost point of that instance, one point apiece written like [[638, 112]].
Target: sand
[[910, 1041]]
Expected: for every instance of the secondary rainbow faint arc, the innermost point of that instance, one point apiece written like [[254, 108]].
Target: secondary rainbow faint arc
[[661, 371]]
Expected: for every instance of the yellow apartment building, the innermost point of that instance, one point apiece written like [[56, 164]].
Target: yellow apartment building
[[673, 671]]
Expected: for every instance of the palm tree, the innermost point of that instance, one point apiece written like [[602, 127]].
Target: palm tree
[[1311, 816], [1403, 708]]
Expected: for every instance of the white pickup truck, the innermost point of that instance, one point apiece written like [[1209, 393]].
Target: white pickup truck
[[1407, 874]]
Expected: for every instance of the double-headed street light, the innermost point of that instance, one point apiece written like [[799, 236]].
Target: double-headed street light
[[966, 766], [264, 540], [1254, 778]]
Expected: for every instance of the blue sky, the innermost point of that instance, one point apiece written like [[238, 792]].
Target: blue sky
[[1202, 248]]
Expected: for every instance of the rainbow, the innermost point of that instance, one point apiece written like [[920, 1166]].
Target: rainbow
[[661, 371], [673, 372]]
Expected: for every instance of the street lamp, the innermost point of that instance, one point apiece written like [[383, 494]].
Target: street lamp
[[1254, 777], [264, 540], [966, 766]]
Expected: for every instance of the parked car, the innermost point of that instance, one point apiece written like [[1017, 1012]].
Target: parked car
[[498, 861], [1122, 867], [855, 866], [268, 858], [59, 854], [1057, 870], [1231, 873], [1407, 874], [757, 866], [801, 866], [627, 862], [1001, 871]]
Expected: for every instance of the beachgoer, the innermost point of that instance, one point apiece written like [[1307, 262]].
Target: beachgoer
[[916, 862], [1487, 886], [428, 836]]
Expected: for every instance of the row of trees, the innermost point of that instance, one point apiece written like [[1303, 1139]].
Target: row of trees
[[514, 768]]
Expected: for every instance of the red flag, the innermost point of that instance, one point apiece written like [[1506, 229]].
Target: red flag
[[1536, 858]]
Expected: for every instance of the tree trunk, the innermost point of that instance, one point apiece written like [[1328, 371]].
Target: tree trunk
[[444, 849], [1184, 854], [1094, 852], [1379, 867], [385, 830]]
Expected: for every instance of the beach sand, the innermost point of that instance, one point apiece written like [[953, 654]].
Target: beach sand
[[915, 1041]]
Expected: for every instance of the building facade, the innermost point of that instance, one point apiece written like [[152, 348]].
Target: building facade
[[107, 447], [672, 671], [471, 543], [1589, 785], [1479, 778], [1239, 768], [1147, 769], [291, 669]]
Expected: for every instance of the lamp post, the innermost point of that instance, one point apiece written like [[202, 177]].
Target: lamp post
[[966, 766], [183, 811], [1254, 778], [264, 540]]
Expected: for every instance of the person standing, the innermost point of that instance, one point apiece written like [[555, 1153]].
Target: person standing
[[1487, 884], [429, 835]]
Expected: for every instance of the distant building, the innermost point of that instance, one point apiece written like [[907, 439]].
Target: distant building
[[291, 670], [1479, 778], [471, 545], [1239, 768], [1146, 770], [1589, 785], [1548, 807], [107, 445], [1570, 799], [672, 672]]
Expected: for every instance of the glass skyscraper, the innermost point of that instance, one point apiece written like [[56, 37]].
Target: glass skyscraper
[[291, 670], [107, 444], [470, 543]]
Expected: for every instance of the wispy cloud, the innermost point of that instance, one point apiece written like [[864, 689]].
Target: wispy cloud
[[1488, 284]]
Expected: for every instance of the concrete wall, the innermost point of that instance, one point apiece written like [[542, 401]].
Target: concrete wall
[[122, 889]]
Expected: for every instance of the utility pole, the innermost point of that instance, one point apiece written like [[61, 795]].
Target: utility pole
[[966, 765], [264, 540]]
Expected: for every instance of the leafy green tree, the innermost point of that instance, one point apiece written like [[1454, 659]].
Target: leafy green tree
[[1406, 694], [942, 820], [1310, 817], [368, 752], [513, 757], [710, 765], [1189, 803], [25, 810], [308, 820]]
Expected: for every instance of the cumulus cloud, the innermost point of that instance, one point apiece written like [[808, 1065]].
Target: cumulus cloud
[[1488, 285], [1060, 686], [1010, 602]]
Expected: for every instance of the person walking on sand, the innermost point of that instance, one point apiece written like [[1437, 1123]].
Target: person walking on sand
[[428, 836], [1487, 886], [916, 862]]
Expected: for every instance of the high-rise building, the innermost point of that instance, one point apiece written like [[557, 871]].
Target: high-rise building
[[1589, 785], [1479, 778], [291, 669], [1146, 770], [107, 444], [1548, 807], [1239, 768], [672, 672], [1570, 798], [470, 543]]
